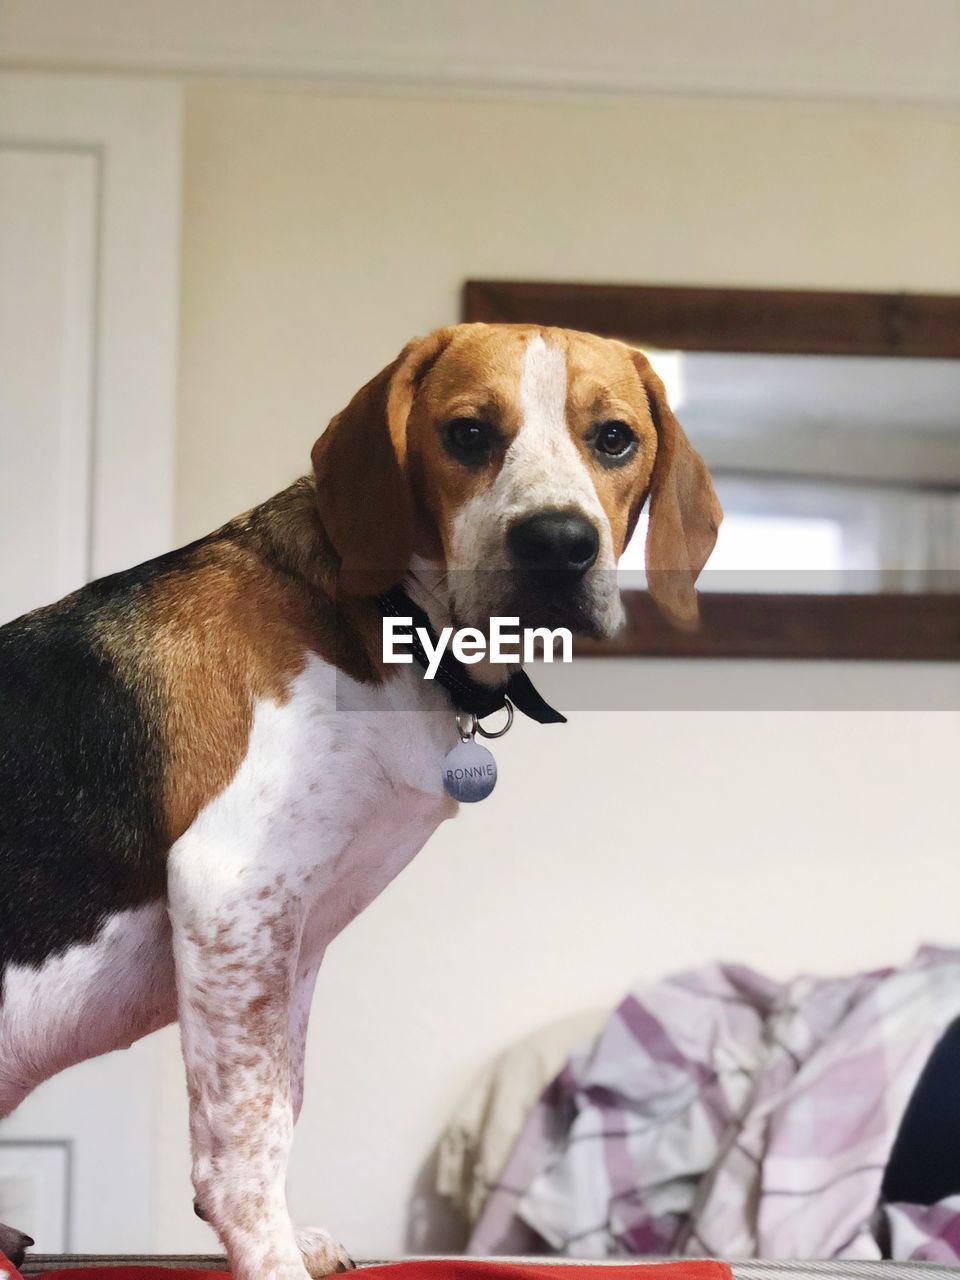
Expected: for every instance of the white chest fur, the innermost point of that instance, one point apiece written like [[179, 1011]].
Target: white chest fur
[[340, 788]]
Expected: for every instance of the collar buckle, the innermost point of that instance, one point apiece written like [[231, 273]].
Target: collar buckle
[[496, 733]]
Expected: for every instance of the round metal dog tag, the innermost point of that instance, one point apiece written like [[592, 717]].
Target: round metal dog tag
[[469, 772]]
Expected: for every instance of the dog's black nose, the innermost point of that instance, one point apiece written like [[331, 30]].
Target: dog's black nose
[[555, 542]]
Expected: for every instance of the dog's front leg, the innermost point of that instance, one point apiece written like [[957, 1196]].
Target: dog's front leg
[[237, 951], [300, 1004]]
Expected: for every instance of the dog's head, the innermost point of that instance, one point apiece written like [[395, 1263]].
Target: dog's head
[[518, 459]]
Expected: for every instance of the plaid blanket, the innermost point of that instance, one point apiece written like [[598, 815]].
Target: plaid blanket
[[722, 1113]]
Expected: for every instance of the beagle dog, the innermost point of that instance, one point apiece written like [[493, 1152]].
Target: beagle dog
[[200, 785]]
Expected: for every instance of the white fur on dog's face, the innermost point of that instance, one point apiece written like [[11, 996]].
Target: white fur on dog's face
[[544, 392], [542, 470]]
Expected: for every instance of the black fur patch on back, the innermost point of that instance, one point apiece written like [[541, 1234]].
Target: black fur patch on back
[[81, 774]]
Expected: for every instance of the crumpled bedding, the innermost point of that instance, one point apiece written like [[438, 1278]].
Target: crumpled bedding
[[723, 1113], [482, 1131]]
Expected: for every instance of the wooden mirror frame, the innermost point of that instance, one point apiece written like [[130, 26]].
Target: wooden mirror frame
[[914, 627]]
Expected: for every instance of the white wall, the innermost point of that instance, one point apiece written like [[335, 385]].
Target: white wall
[[319, 234]]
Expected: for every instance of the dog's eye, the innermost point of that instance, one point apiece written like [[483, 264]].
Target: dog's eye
[[614, 439], [470, 439]]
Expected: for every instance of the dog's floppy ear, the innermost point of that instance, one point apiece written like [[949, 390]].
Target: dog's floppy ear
[[361, 469], [684, 512]]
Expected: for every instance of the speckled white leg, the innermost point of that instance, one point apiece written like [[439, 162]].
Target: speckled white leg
[[235, 978], [304, 984]]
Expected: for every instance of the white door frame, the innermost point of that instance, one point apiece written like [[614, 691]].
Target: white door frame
[[132, 129]]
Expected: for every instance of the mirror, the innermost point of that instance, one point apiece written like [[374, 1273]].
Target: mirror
[[831, 425], [836, 473]]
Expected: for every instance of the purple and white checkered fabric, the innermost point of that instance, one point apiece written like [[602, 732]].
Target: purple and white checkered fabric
[[722, 1113]]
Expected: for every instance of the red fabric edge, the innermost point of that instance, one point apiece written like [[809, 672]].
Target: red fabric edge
[[428, 1269], [493, 1269]]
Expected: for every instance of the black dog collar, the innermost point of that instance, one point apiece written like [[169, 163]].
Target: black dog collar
[[468, 695]]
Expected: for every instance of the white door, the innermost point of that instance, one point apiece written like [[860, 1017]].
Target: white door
[[48, 259], [89, 234], [89, 220]]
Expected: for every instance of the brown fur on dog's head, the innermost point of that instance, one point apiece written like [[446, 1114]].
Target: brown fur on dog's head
[[685, 514], [363, 477], [390, 484]]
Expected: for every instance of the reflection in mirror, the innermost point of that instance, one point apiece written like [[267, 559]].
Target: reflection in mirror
[[837, 474]]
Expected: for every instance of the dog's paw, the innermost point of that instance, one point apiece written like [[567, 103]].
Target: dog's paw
[[13, 1244], [322, 1255]]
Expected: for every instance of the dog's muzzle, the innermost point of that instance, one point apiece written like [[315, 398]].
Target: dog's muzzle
[[552, 554]]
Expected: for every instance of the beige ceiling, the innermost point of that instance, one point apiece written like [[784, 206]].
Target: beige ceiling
[[866, 49]]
